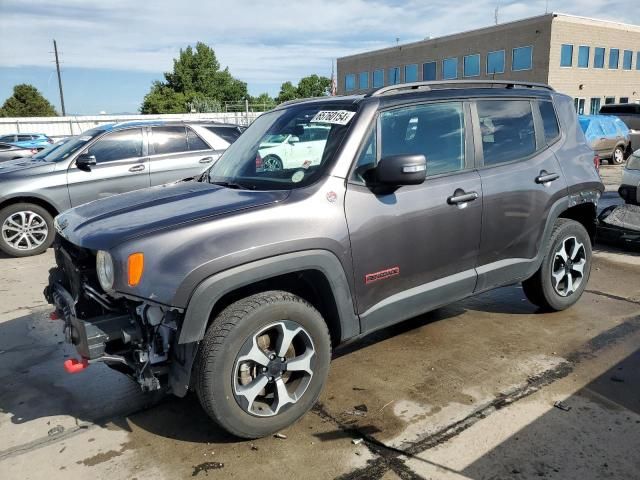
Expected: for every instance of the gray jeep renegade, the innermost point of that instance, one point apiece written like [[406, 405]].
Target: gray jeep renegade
[[239, 283]]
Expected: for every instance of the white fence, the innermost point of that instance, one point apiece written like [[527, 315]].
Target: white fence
[[58, 127]]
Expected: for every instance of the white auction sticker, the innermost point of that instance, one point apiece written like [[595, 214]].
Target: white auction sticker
[[338, 117]]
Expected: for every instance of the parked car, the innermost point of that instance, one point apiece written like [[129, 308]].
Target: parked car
[[608, 136], [290, 150], [629, 113], [103, 161], [27, 140], [12, 152], [630, 185], [238, 284]]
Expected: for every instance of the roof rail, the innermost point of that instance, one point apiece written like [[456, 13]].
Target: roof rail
[[454, 83]]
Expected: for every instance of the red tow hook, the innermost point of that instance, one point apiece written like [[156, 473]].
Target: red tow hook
[[54, 315], [73, 365]]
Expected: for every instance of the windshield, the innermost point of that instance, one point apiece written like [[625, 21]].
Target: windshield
[[68, 148], [47, 150], [309, 138]]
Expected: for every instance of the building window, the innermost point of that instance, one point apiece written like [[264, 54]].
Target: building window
[[450, 68], [598, 57], [566, 55], [608, 100], [363, 80], [583, 56], [350, 82], [627, 58], [411, 73], [638, 61], [471, 65], [579, 104], [522, 58], [594, 108], [394, 76], [495, 62], [614, 55], [624, 99], [378, 78], [429, 71]]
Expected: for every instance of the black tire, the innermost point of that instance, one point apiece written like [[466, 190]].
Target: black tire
[[216, 361], [274, 161], [7, 212], [539, 289], [617, 157]]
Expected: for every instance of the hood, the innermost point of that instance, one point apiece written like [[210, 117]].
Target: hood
[[105, 223], [26, 165]]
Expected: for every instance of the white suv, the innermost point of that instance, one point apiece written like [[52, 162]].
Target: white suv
[[300, 149]]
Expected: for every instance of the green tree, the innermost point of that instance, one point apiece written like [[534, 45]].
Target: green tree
[[264, 99], [27, 101], [310, 86], [196, 84]]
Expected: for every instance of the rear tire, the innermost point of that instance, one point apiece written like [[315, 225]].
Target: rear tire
[[25, 229], [245, 396], [565, 268]]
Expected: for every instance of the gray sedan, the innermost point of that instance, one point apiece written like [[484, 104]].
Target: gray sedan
[[11, 152]]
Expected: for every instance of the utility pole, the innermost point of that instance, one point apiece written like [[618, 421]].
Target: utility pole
[[55, 51]]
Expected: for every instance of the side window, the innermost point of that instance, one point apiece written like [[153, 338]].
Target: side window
[[168, 140], [314, 134], [507, 130], [230, 134], [434, 130], [24, 138], [549, 122], [367, 158], [195, 142], [118, 146]]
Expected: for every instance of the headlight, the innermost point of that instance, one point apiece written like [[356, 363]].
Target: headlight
[[104, 266]]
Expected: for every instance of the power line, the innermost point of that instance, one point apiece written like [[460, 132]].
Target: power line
[[55, 51]]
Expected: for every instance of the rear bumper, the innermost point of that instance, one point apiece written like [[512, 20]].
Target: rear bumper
[[89, 337]]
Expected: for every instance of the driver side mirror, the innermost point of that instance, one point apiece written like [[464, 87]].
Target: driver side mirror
[[398, 170], [85, 162], [293, 140]]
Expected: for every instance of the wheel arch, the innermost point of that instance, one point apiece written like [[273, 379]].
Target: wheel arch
[[48, 206], [585, 214], [315, 275]]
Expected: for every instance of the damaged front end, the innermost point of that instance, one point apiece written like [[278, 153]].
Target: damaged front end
[[134, 337]]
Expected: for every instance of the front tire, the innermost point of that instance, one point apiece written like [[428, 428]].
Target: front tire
[[263, 363], [272, 163], [25, 229], [617, 157], [565, 269]]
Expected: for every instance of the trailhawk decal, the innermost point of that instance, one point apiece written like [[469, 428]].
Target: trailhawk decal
[[338, 117], [381, 275]]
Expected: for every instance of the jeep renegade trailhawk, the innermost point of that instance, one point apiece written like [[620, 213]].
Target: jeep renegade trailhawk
[[237, 284]]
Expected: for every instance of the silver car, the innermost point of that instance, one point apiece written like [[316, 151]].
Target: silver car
[[104, 161], [12, 152], [630, 185]]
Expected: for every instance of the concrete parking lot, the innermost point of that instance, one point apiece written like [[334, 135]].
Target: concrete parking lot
[[467, 391]]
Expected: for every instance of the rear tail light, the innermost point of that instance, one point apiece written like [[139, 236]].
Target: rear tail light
[[259, 163], [34, 151], [596, 162]]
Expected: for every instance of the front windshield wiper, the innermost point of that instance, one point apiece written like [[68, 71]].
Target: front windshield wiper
[[236, 186]]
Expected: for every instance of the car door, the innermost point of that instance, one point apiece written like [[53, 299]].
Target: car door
[[416, 248], [177, 152], [521, 180], [121, 166]]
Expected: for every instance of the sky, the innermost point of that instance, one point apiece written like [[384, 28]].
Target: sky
[[111, 51]]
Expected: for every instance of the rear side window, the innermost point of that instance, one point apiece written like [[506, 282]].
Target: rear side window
[[118, 146], [168, 140], [549, 122], [434, 130], [8, 138], [230, 134], [195, 142], [507, 130]]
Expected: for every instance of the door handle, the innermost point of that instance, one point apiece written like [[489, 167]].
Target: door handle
[[461, 197], [137, 168], [206, 160], [545, 177]]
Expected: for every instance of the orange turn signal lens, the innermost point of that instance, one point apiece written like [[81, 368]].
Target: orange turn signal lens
[[135, 268]]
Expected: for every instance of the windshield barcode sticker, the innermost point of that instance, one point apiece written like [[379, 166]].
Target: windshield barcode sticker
[[338, 117]]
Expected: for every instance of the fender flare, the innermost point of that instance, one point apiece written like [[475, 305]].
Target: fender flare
[[213, 288]]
